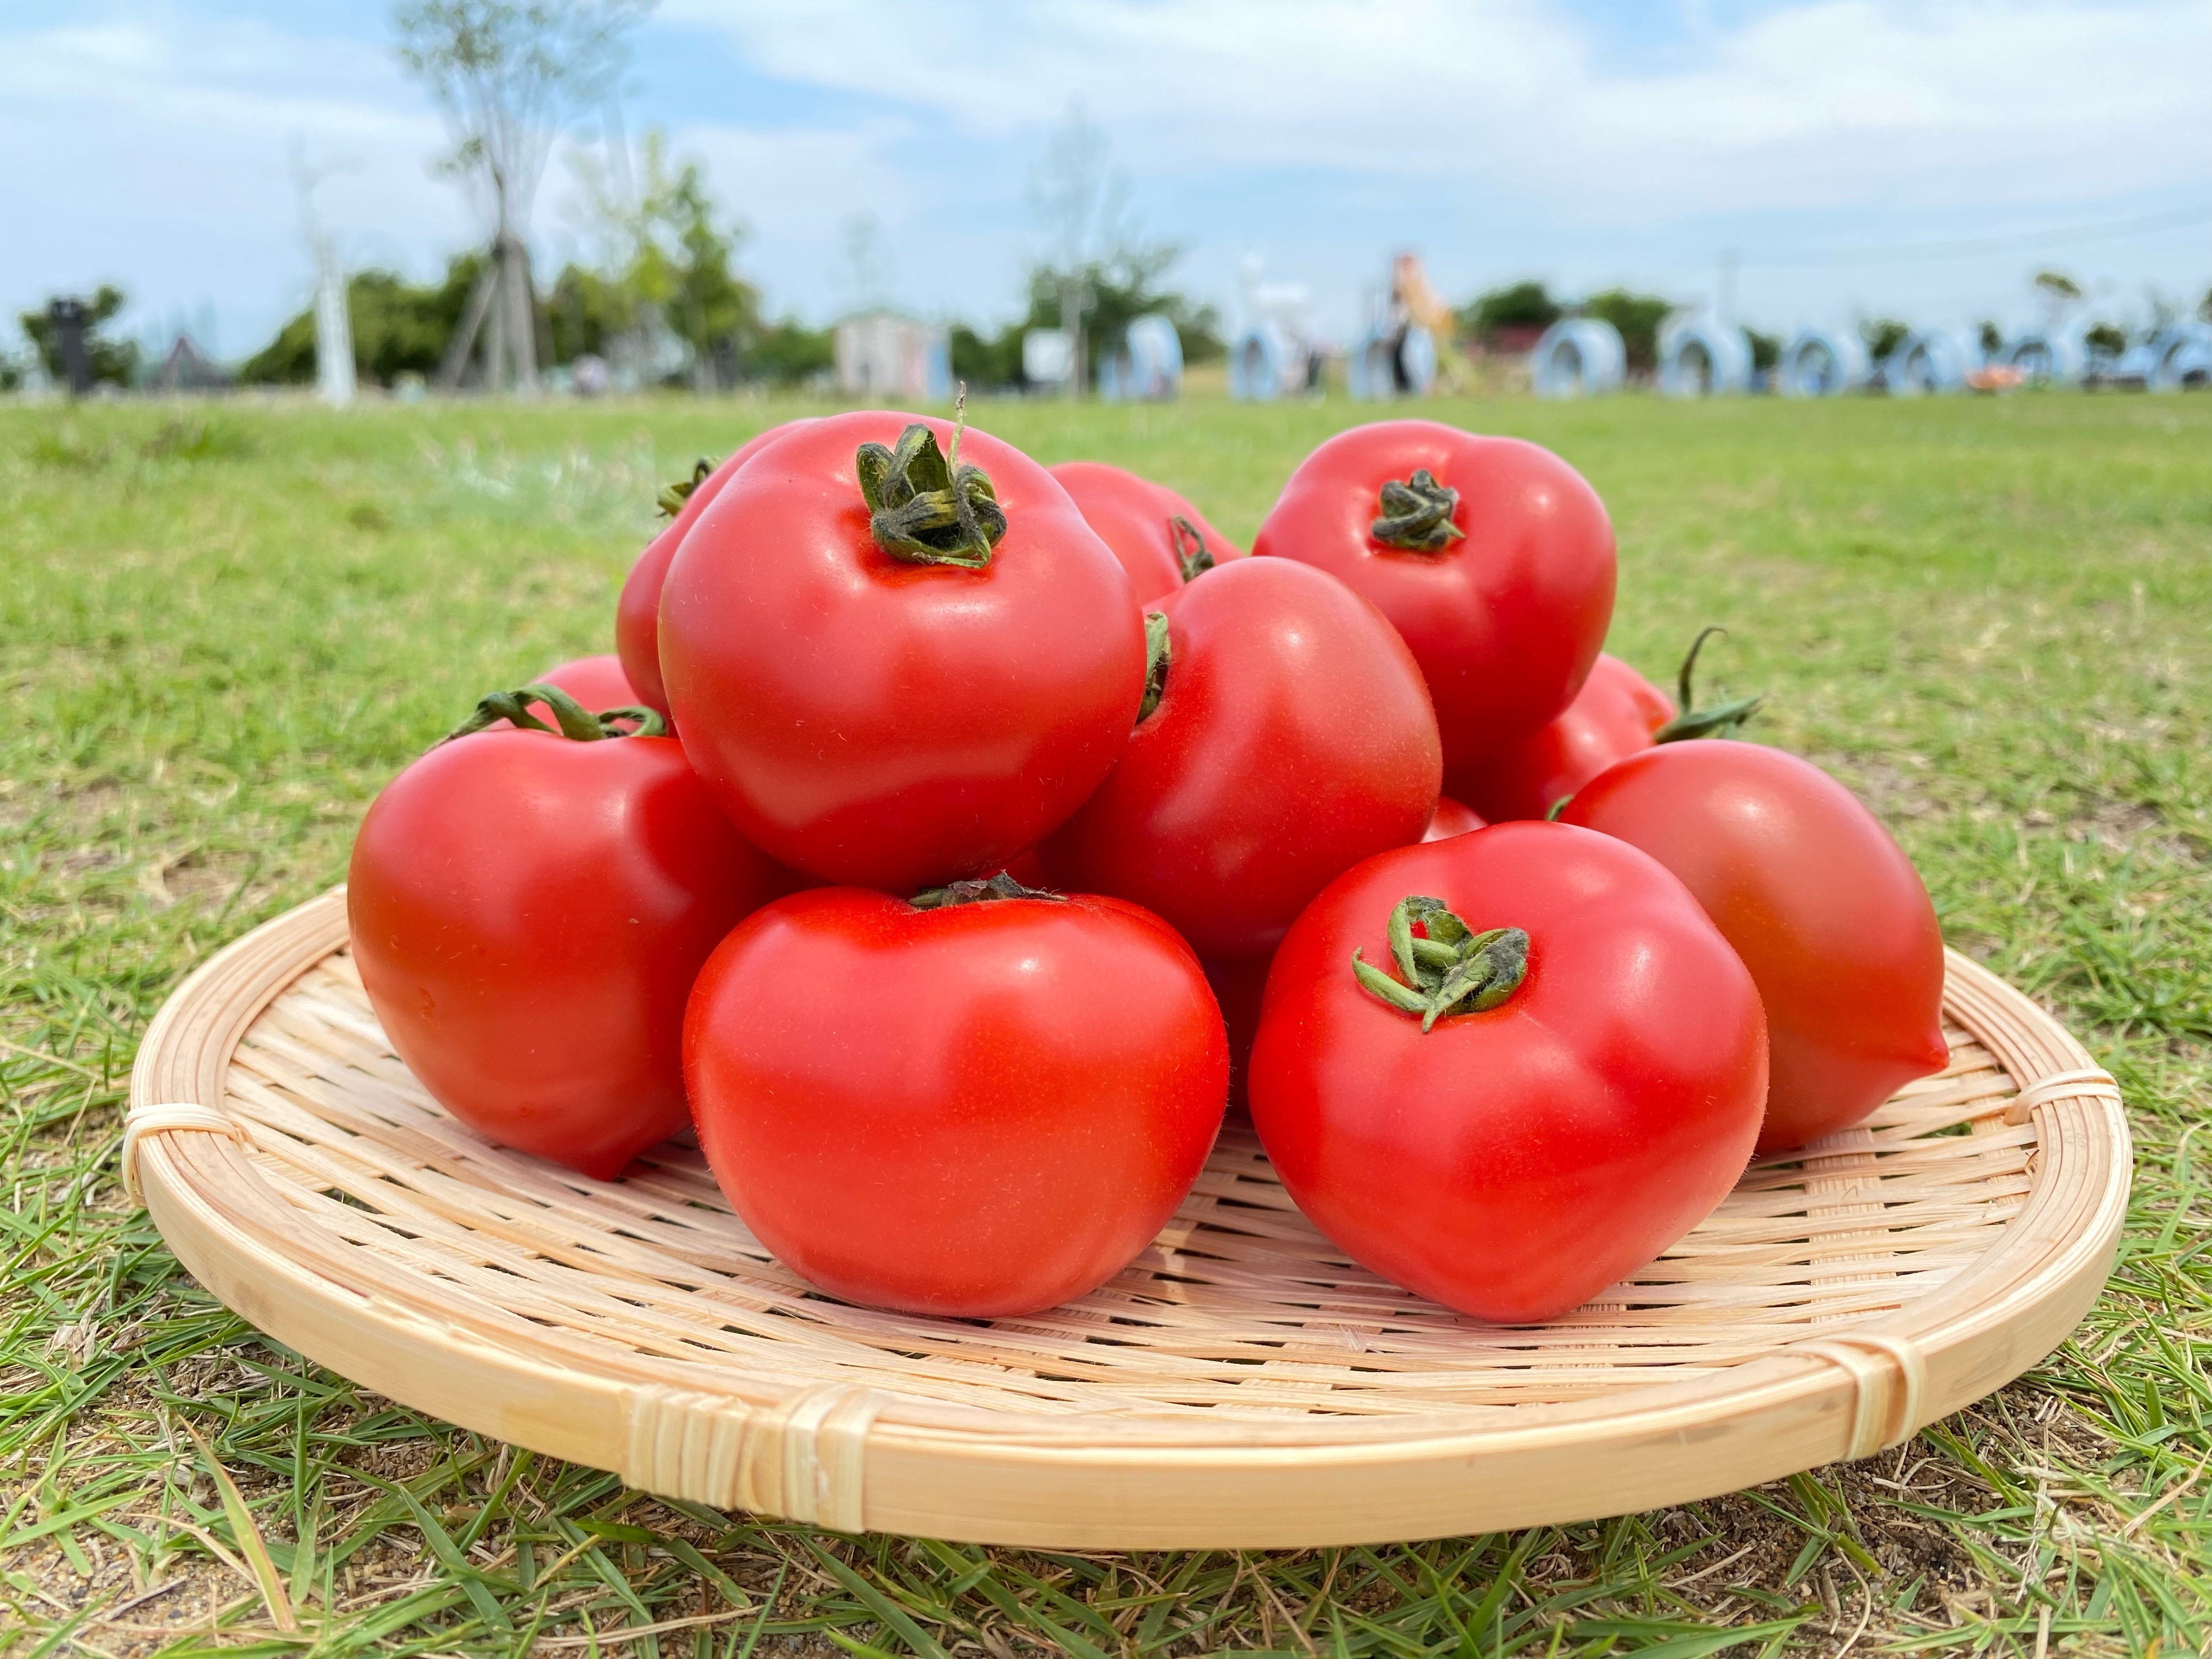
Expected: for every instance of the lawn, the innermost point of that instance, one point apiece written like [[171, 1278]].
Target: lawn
[[222, 628]]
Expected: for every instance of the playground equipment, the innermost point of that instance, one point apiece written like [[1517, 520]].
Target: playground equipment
[[1578, 357], [1401, 362], [1822, 362], [1145, 365], [1278, 352], [2178, 355], [1700, 358], [1922, 363], [2050, 356]]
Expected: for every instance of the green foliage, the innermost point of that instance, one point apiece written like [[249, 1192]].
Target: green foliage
[[1637, 316], [585, 313], [785, 354], [2204, 306], [112, 361], [1118, 290], [1517, 305], [399, 328], [1883, 334], [1986, 616], [2057, 285], [1765, 349], [1991, 336], [2107, 337], [982, 361]]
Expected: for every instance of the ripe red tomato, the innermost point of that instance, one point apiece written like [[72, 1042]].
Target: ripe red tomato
[[1616, 712], [637, 612], [1238, 987], [1596, 1099], [1493, 558], [1292, 738], [1450, 819], [1161, 539], [1824, 907], [977, 1109], [885, 720], [528, 912]]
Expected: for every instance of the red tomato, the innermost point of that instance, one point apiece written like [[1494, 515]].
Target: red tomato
[[1616, 712], [1493, 558], [637, 612], [890, 721], [1292, 739], [976, 1111], [1161, 539], [528, 912], [1450, 819], [1519, 1157], [1824, 907], [1238, 987], [596, 683]]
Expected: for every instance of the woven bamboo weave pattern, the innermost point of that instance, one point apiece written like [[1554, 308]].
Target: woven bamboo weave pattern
[[1238, 1307]]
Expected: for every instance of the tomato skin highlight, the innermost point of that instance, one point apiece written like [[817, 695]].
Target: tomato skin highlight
[[884, 724], [1504, 622], [976, 1111], [1617, 714], [1824, 907], [1451, 818], [528, 913], [1132, 516], [1294, 739], [637, 610], [1512, 1164]]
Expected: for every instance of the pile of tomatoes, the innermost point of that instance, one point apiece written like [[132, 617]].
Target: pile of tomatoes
[[953, 832]]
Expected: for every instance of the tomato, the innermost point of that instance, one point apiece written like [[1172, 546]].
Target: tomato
[[1616, 712], [977, 1109], [1593, 1098], [637, 612], [528, 911], [1449, 819], [1291, 738], [1161, 539], [1824, 907], [596, 683], [1493, 557], [1238, 987], [888, 718]]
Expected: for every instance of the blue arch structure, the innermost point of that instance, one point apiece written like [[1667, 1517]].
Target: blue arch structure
[[1255, 366], [1578, 357], [1387, 363], [2058, 356], [2180, 357], [1699, 359], [1822, 362], [1920, 364], [1147, 367]]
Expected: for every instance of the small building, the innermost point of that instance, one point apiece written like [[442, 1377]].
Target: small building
[[185, 367], [888, 357]]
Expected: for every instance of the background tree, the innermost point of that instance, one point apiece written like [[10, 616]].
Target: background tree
[[505, 75], [398, 327], [111, 360], [1883, 334], [1517, 305], [1637, 316]]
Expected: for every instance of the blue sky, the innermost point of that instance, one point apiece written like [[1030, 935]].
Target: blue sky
[[1835, 145]]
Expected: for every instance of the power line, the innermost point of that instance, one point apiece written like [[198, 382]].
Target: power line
[[2023, 242]]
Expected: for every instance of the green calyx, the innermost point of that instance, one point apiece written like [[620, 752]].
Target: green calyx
[[1449, 968], [1155, 663], [1723, 720], [924, 506], [1192, 556], [672, 498], [1417, 514], [575, 722], [979, 890]]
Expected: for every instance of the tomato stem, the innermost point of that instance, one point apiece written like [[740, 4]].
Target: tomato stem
[[1723, 720], [925, 508], [1448, 968], [1155, 663], [977, 890], [1192, 556], [1417, 514], [575, 722], [673, 496]]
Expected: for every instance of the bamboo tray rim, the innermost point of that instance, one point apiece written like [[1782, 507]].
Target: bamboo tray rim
[[1863, 1383]]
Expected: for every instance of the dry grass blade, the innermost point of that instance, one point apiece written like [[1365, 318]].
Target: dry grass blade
[[260, 1569]]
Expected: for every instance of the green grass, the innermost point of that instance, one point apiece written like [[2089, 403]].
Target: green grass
[[222, 630]]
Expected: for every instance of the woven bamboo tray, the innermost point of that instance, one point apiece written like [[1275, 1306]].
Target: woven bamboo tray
[[1241, 1384]]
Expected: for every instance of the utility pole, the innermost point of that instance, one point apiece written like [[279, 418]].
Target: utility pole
[[334, 370]]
